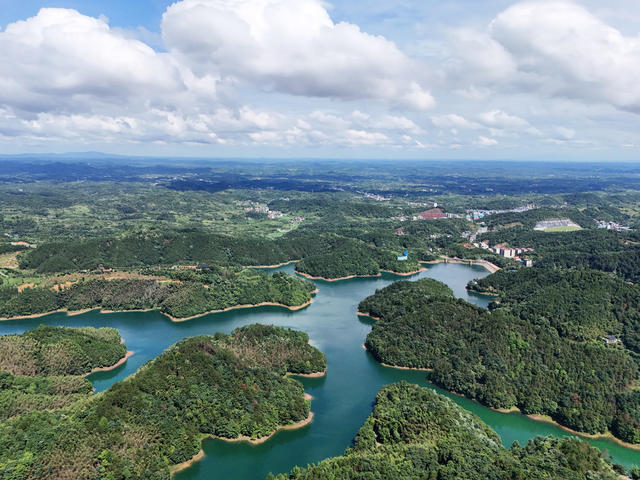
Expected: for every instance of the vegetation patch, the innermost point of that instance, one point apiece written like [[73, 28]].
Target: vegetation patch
[[542, 350], [413, 433], [224, 386], [189, 293]]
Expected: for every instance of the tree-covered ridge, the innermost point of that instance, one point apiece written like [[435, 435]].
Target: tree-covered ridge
[[613, 252], [581, 304], [354, 258], [44, 367], [190, 293], [266, 345], [327, 250], [157, 418], [169, 248], [20, 394], [402, 297], [513, 357], [414, 434], [58, 351]]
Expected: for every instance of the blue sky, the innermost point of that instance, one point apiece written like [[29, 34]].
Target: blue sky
[[531, 79]]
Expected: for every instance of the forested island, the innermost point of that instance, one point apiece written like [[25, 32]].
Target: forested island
[[44, 368], [180, 294], [413, 433], [550, 349], [228, 386]]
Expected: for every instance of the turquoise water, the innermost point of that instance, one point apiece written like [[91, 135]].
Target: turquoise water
[[342, 399]]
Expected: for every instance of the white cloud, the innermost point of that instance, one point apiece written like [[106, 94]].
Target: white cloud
[[564, 133], [554, 47], [479, 57], [62, 60], [500, 119], [453, 120], [486, 142], [284, 74], [292, 46]]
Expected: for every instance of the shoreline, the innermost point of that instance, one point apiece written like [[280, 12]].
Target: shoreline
[[273, 266], [308, 375], [72, 313], [535, 417], [417, 369], [361, 314], [311, 277], [349, 277], [406, 274], [293, 308], [122, 361], [243, 438], [482, 263], [593, 436], [184, 465]]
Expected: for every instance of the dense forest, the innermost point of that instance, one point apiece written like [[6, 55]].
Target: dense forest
[[188, 293], [614, 252], [21, 394], [58, 351], [44, 368], [225, 386], [354, 258], [400, 298], [519, 355], [582, 305], [414, 434], [199, 248], [333, 248]]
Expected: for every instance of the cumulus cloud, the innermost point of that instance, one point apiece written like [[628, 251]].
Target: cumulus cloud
[[500, 119], [62, 60], [486, 142], [555, 47], [453, 120], [283, 73], [294, 47]]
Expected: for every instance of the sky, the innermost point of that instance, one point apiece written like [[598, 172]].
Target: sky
[[435, 79]]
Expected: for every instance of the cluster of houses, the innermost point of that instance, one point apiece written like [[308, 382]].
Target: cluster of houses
[[612, 226], [376, 197], [478, 214], [271, 214], [507, 252]]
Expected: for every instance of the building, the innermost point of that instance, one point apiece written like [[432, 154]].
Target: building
[[611, 340], [400, 231], [23, 244], [432, 214]]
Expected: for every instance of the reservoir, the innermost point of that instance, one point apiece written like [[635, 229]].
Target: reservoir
[[342, 400]]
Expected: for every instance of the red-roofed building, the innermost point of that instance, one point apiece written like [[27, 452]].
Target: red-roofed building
[[431, 214]]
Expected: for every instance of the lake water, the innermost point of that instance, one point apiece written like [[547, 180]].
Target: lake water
[[342, 399]]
